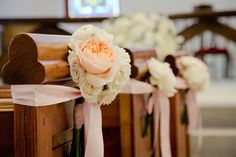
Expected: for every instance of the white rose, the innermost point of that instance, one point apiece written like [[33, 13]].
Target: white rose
[[194, 71], [162, 76], [120, 78]]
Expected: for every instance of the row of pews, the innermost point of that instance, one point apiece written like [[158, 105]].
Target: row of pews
[[47, 131]]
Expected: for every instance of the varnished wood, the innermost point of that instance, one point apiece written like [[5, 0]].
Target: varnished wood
[[62, 138], [5, 92], [223, 30], [142, 145], [6, 134], [45, 51], [6, 123], [54, 70], [203, 14], [111, 114], [111, 129], [50, 20], [193, 30], [178, 131], [37, 129], [126, 126], [6, 104], [23, 66], [207, 20], [209, 25], [27, 61]]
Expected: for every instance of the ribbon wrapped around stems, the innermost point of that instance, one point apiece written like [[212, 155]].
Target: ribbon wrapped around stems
[[191, 101]]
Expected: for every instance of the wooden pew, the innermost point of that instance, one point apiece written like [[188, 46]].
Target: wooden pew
[[178, 131], [46, 131], [6, 122], [180, 142]]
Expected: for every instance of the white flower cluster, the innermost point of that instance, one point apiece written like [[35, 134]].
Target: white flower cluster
[[162, 76], [98, 67], [194, 71], [145, 30]]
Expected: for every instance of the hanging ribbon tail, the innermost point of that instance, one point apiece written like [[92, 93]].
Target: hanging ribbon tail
[[195, 119], [93, 129], [165, 125], [137, 87], [193, 109], [162, 115], [42, 95], [156, 117], [79, 115], [150, 104]]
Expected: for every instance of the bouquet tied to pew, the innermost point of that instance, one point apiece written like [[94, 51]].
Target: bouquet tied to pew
[[99, 68]]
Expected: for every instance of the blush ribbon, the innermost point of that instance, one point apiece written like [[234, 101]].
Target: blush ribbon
[[44, 95], [194, 114], [191, 101], [161, 106], [89, 114]]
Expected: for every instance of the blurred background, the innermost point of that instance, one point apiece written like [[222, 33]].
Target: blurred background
[[213, 40]]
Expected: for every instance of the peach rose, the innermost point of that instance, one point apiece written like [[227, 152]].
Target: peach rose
[[96, 57], [97, 66]]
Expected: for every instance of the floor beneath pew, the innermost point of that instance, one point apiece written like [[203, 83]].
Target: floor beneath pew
[[218, 109]]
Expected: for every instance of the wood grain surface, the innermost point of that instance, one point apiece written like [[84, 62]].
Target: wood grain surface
[[34, 58]]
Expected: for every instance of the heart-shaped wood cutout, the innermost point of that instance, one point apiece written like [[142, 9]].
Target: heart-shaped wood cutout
[[23, 67]]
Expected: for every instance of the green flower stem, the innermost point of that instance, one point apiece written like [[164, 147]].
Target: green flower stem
[[147, 124], [184, 116], [76, 149], [77, 145]]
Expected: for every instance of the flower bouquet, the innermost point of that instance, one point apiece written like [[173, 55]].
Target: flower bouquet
[[145, 31], [99, 69]]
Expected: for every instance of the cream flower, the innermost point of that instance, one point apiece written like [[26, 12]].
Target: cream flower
[[194, 71], [95, 63], [145, 30], [162, 76]]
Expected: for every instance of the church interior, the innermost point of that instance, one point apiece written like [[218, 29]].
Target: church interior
[[117, 78]]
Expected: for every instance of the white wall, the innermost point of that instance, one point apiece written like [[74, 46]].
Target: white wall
[[172, 6], [55, 8], [31, 8]]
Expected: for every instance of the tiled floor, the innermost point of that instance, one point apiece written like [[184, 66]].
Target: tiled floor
[[218, 106]]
